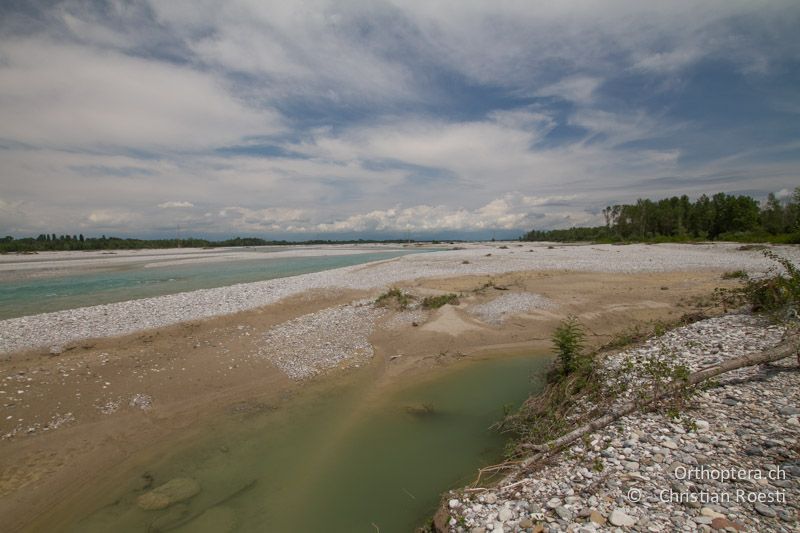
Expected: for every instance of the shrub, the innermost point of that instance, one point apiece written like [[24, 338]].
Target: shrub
[[777, 294], [568, 339], [435, 302]]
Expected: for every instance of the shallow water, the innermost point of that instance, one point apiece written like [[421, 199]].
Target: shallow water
[[348, 457], [32, 296]]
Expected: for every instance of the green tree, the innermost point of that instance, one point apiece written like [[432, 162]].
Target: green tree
[[772, 215]]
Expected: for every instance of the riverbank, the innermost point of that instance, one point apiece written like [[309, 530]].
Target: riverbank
[[63, 327], [77, 400], [729, 462], [42, 265]]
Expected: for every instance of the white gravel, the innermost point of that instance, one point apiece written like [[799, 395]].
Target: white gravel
[[515, 303], [406, 318], [629, 474], [313, 343], [120, 318]]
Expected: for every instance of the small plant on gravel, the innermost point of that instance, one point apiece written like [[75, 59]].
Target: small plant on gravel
[[647, 377], [735, 274], [435, 302], [394, 296]]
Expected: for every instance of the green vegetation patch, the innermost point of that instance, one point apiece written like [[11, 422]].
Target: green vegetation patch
[[394, 297], [568, 340], [435, 302]]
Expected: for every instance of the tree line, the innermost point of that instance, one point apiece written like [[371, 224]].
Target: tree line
[[719, 217], [53, 242]]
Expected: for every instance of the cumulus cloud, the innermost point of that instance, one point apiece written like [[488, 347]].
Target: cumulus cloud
[[110, 218], [535, 201], [173, 204], [509, 212]]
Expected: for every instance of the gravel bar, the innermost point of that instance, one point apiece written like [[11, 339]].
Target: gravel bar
[[61, 327]]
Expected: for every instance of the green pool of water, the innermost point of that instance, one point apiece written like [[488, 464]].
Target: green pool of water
[[344, 458]]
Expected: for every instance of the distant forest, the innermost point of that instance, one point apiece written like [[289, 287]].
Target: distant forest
[[721, 217], [53, 242]]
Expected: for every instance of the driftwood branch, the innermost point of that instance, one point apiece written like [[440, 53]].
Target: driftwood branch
[[787, 348]]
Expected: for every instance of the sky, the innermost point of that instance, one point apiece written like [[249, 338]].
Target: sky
[[373, 118]]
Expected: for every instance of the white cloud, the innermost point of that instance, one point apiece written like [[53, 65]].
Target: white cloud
[[670, 61], [267, 219], [68, 96], [388, 51], [537, 201], [578, 89], [509, 212], [168, 205], [109, 218]]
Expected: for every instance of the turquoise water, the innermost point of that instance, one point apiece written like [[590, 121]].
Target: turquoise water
[[344, 458], [28, 297]]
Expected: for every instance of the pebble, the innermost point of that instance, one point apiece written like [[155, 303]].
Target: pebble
[[619, 518], [765, 510]]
